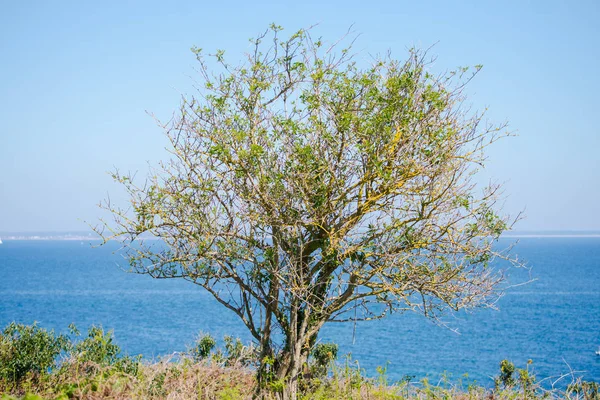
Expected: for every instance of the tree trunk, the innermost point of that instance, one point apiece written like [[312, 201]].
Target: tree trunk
[[290, 389], [289, 368]]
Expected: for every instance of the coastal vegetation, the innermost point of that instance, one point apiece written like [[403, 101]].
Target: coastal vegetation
[[37, 364], [307, 187]]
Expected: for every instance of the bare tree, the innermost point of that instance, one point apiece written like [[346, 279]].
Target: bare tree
[[304, 188]]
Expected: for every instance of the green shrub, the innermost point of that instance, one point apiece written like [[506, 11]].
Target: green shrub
[[237, 353], [527, 380], [233, 353], [99, 348], [202, 348], [323, 354], [524, 382], [28, 350], [157, 385], [584, 389], [230, 393], [505, 379]]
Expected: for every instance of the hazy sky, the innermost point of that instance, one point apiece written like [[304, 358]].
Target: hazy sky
[[76, 78]]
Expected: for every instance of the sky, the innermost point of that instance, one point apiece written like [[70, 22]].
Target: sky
[[78, 79]]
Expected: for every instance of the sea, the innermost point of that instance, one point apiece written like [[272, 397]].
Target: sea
[[548, 319]]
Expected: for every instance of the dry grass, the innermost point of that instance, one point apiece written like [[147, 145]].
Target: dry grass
[[161, 380], [184, 379]]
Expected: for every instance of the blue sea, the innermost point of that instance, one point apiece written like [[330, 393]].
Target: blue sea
[[553, 321]]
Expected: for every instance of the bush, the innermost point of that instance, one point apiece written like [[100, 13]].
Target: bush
[[323, 354], [584, 389], [202, 348], [28, 349], [31, 351], [505, 379], [525, 383], [99, 348], [236, 353], [233, 353]]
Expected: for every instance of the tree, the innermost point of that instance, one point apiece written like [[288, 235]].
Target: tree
[[304, 188]]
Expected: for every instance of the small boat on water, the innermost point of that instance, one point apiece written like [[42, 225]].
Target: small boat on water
[[0, 241], [598, 351]]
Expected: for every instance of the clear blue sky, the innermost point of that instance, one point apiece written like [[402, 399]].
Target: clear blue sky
[[77, 76]]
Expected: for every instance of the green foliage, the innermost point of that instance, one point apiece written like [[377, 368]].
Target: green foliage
[[203, 347], [231, 393], [585, 389], [99, 348], [323, 355], [276, 385], [234, 348], [266, 372], [30, 396], [157, 385], [505, 378], [28, 349], [525, 382], [29, 353], [233, 353], [129, 365]]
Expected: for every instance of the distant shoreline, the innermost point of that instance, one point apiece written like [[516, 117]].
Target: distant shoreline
[[49, 238], [92, 237], [541, 235]]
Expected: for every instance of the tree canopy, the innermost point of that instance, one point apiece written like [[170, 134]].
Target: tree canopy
[[305, 187]]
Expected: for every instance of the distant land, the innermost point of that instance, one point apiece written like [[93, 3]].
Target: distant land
[[87, 236], [551, 234], [50, 235]]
